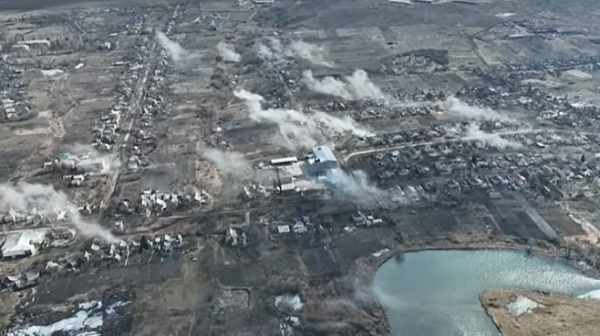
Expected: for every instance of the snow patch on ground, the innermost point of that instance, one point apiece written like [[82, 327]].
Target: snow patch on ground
[[522, 305], [51, 73], [593, 295], [87, 321], [504, 15], [379, 253]]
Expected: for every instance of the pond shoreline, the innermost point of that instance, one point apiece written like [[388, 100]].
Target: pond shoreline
[[472, 243]]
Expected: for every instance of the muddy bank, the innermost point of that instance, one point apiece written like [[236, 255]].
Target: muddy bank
[[540, 313]]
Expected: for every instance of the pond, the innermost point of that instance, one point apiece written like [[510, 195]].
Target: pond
[[435, 293]]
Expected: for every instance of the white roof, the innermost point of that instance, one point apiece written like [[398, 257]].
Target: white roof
[[283, 228], [290, 159], [20, 244], [288, 186], [46, 42]]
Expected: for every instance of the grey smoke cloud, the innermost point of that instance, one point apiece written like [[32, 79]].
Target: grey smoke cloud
[[356, 187], [298, 129], [355, 87], [462, 109], [227, 53], [493, 139], [175, 51], [47, 200]]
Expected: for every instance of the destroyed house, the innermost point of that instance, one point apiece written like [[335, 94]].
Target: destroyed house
[[236, 238]]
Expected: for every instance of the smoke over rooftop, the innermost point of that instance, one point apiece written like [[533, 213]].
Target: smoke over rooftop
[[355, 87], [48, 201], [175, 51], [460, 108], [273, 50], [493, 139], [355, 187], [300, 130]]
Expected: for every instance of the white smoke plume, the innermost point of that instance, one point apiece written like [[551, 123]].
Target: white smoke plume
[[227, 53], [355, 187], [47, 201], [175, 51], [310, 52], [492, 139], [363, 87], [273, 50], [459, 108], [298, 129], [328, 85], [355, 87], [228, 162]]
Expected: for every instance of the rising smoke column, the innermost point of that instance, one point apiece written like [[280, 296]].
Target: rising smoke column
[[175, 51], [227, 53], [44, 198], [298, 129], [355, 87]]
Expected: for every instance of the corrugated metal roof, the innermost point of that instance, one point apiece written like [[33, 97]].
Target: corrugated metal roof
[[288, 187], [16, 245], [19, 244], [285, 160], [324, 154]]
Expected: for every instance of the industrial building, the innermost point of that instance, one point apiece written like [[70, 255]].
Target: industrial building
[[320, 168], [321, 161]]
